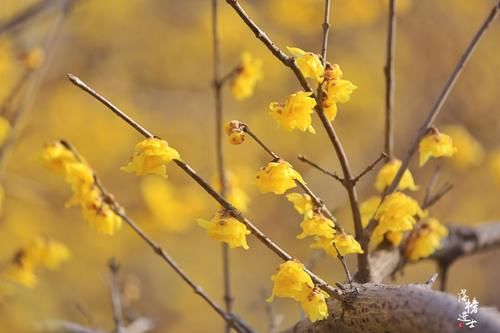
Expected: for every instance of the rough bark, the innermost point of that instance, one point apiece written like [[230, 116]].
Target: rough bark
[[398, 309]]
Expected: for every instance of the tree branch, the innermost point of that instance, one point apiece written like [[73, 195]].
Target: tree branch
[[390, 80]]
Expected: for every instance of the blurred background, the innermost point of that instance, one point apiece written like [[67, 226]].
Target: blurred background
[[154, 60]]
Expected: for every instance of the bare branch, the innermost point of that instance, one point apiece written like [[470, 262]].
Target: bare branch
[[326, 29], [115, 297], [438, 196], [370, 167], [390, 80], [316, 166]]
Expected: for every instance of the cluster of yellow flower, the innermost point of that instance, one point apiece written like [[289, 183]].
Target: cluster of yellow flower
[[295, 112], [292, 281], [247, 74], [95, 205], [21, 270]]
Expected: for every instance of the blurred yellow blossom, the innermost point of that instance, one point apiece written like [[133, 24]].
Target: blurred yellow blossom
[[314, 305], [277, 177], [346, 244], [335, 90], [234, 129], [494, 165], [309, 63], [368, 207], [4, 129], [248, 73], [291, 281], [56, 157], [33, 59], [435, 144], [101, 217], [234, 193], [225, 228], [425, 240], [317, 225], [387, 173], [295, 112], [151, 157], [469, 152], [302, 203]]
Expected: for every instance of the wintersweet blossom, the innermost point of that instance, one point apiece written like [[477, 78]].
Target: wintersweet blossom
[[367, 209], [387, 174], [335, 90], [302, 203], [435, 144], [225, 228], [277, 177], [100, 216], [291, 281], [4, 129], [56, 157], [309, 63], [235, 132], [425, 240], [295, 112], [317, 225], [346, 244], [248, 73], [314, 306], [151, 157]]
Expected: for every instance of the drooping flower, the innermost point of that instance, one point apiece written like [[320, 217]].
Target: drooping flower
[[81, 179], [309, 63], [347, 244], [235, 132], [435, 144], [302, 203], [100, 216], [314, 305], [425, 240], [470, 151], [335, 90], [277, 177], [248, 73], [396, 214], [151, 157], [291, 281], [225, 228], [295, 112], [387, 174], [317, 225], [56, 157], [4, 129]]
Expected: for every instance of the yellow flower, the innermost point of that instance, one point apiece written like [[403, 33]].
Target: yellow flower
[[4, 130], [387, 173], [291, 281], [346, 244], [317, 225], [295, 112], [325, 244], [33, 59], [150, 157], [368, 208], [56, 157], [435, 144], [101, 217], [247, 75], [277, 177], [335, 90], [397, 213], [494, 165], [426, 240], [225, 228], [314, 305], [24, 276], [81, 179], [46, 252], [470, 152], [302, 203], [234, 129], [309, 63], [394, 237]]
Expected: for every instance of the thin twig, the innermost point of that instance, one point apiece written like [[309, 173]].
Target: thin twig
[[24, 15], [209, 189], [430, 282], [344, 264], [115, 297], [435, 111], [370, 167], [438, 196], [390, 80], [219, 151], [350, 186], [247, 130], [7, 103], [316, 166], [432, 183], [326, 29]]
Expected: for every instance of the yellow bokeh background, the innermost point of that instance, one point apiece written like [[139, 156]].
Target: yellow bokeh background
[[154, 60]]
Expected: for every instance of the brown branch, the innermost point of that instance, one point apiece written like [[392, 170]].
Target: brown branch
[[25, 15], [326, 29], [349, 183], [377, 308], [432, 184], [219, 151], [438, 196], [247, 130], [370, 167], [209, 189], [390, 80], [316, 166], [115, 297]]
